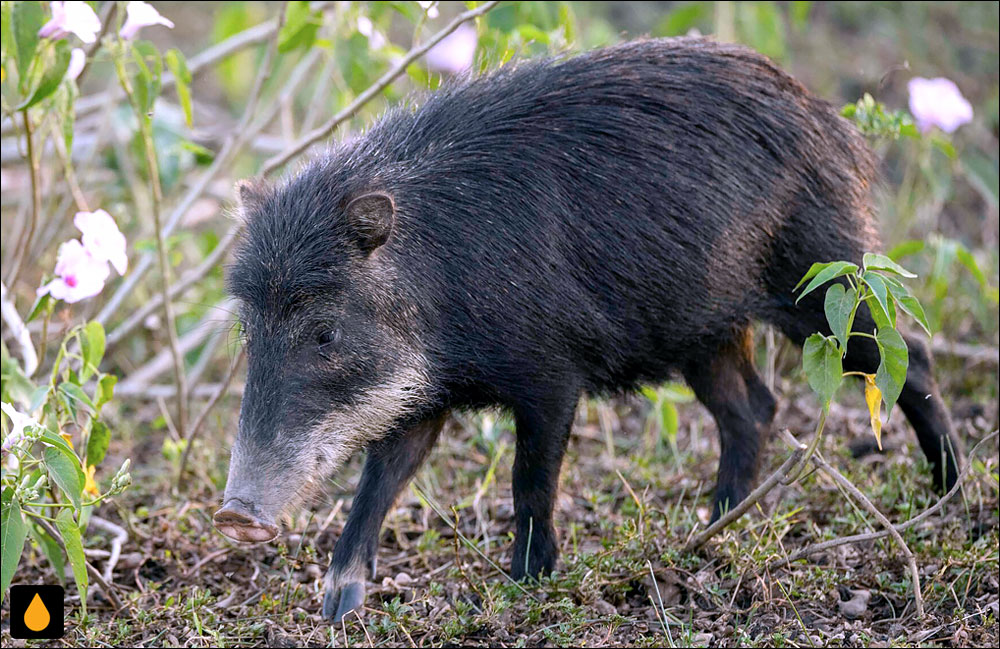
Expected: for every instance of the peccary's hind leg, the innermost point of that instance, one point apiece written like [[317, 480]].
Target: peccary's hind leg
[[390, 464], [743, 407], [926, 412], [919, 399], [542, 432]]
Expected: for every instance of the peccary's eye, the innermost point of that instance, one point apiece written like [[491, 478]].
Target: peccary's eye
[[329, 338]]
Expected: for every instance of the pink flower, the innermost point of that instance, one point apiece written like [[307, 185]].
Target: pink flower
[[102, 238], [72, 18], [77, 59], [938, 102], [78, 274], [455, 52], [139, 15]]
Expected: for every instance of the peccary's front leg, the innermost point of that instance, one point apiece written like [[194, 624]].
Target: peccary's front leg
[[390, 464], [543, 429]]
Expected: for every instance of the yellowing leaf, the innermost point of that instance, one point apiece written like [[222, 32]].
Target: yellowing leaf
[[873, 397], [90, 485]]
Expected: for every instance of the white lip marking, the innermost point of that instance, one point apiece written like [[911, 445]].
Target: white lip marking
[[342, 432]]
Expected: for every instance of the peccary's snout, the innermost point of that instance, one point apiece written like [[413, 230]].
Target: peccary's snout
[[237, 520]]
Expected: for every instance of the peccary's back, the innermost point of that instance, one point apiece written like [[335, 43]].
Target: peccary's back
[[617, 210]]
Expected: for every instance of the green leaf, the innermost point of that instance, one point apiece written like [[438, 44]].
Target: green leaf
[[873, 261], [885, 314], [669, 418], [50, 438], [944, 145], [679, 21], [92, 343], [839, 306], [822, 364], [149, 69], [105, 390], [891, 374], [676, 392], [77, 396], [182, 76], [51, 78], [906, 249], [908, 303], [12, 536], [824, 274], [66, 103], [301, 25], [42, 303], [967, 259], [27, 19], [51, 549], [97, 443], [64, 469], [38, 397], [812, 272], [70, 533], [799, 13], [982, 174]]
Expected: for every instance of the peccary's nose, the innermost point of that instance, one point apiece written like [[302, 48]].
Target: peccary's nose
[[236, 521]]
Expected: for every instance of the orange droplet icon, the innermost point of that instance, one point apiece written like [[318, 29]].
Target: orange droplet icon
[[36, 617]]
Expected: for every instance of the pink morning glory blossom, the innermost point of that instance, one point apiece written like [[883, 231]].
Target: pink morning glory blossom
[[72, 18], [938, 102], [79, 275], [455, 52], [102, 238], [82, 265], [139, 15]]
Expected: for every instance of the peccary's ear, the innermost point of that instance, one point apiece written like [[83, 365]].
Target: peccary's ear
[[372, 216], [249, 195]]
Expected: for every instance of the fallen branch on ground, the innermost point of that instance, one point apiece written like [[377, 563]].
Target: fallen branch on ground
[[778, 476], [857, 538]]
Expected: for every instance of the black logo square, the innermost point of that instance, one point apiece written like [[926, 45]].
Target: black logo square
[[36, 612]]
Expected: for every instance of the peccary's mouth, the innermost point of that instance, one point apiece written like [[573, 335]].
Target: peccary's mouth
[[236, 520]]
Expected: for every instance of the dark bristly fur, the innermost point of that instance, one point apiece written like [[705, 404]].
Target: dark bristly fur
[[553, 228]]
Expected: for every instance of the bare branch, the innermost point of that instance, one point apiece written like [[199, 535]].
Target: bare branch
[[230, 149], [858, 496], [269, 167], [778, 476], [858, 538], [369, 93], [36, 204]]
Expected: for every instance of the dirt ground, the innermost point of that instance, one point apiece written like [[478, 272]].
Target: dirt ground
[[625, 510]]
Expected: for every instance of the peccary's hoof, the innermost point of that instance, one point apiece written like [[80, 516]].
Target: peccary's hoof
[[339, 602]]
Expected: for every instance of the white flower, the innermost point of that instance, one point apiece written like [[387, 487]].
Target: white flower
[[77, 59], [430, 7], [78, 274], [938, 102], [139, 15], [72, 18], [375, 38], [455, 51], [18, 421], [102, 238]]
